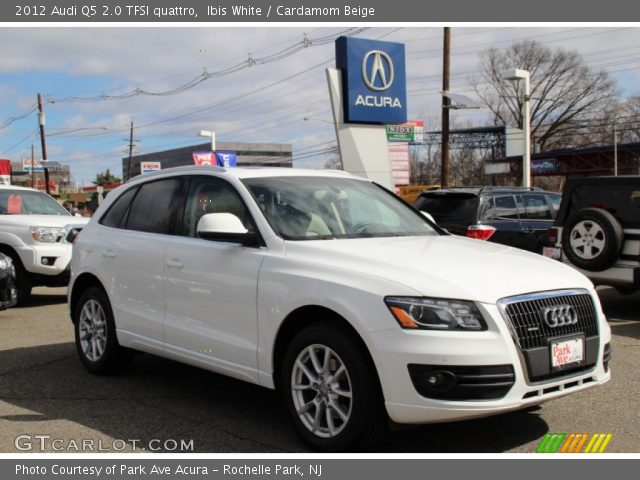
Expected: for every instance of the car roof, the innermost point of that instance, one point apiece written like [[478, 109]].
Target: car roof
[[250, 172]]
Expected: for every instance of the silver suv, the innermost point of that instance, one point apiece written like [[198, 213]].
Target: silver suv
[[33, 227]]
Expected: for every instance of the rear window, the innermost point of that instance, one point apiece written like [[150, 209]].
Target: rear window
[[622, 201], [454, 208]]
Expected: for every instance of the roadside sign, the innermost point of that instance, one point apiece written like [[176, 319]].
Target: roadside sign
[[405, 132], [148, 167], [543, 165], [37, 165], [400, 167]]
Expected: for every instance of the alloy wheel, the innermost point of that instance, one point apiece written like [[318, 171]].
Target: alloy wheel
[[587, 239], [93, 330]]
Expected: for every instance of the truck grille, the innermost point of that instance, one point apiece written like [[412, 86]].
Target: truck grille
[[533, 335]]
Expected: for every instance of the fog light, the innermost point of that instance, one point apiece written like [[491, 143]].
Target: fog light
[[441, 381], [48, 260]]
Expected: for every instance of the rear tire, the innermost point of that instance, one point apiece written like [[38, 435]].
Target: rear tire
[[95, 334], [592, 239], [24, 283], [331, 390]]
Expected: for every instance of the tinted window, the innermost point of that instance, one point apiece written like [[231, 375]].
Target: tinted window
[[207, 195], [536, 207], [115, 216], [622, 201], [501, 207], [445, 208], [155, 207]]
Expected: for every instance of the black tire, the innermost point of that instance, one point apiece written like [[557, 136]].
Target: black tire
[[24, 282], [91, 327], [592, 239], [367, 421]]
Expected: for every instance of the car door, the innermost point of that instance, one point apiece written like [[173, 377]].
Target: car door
[[502, 213], [536, 221], [132, 258], [211, 287]]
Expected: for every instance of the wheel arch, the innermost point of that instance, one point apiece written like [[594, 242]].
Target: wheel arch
[[80, 285], [306, 316]]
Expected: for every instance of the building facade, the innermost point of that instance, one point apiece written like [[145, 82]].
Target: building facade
[[248, 155]]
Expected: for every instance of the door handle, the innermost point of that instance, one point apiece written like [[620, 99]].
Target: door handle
[[175, 263], [109, 254]]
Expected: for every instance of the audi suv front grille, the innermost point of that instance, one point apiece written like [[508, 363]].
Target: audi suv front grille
[[537, 319]]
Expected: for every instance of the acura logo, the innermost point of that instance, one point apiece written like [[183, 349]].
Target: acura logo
[[378, 73], [559, 316]]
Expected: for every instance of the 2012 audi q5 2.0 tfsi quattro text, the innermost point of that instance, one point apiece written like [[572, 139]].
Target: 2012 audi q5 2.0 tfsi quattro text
[[330, 289]]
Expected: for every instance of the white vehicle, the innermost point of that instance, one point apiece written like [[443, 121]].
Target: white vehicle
[[33, 227], [328, 288]]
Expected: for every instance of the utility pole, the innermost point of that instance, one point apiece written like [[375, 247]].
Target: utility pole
[[446, 103], [33, 170], [130, 158], [41, 122]]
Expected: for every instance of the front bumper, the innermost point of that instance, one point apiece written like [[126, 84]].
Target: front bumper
[[395, 350], [45, 259]]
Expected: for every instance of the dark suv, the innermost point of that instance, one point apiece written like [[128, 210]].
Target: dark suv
[[515, 216], [597, 230]]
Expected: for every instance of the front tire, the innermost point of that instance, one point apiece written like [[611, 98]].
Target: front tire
[[95, 334], [331, 390], [24, 282]]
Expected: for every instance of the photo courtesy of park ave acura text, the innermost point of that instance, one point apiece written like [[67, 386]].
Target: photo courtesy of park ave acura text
[[333, 237]]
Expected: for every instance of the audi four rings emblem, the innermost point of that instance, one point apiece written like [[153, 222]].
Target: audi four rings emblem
[[559, 316], [381, 68]]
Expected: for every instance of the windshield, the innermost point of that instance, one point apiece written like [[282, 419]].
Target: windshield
[[308, 208], [27, 202]]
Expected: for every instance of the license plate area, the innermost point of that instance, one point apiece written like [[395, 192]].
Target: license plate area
[[552, 252], [566, 352]]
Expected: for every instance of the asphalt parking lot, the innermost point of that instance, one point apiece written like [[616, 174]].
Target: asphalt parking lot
[[45, 391]]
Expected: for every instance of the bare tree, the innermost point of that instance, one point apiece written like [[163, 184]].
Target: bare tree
[[566, 94]]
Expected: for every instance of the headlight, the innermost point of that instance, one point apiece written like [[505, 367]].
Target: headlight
[[46, 234], [5, 263], [435, 313]]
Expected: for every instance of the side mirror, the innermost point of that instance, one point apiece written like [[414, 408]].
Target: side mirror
[[225, 227], [428, 216]]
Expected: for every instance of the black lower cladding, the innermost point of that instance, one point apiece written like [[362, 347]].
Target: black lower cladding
[[449, 382], [534, 336]]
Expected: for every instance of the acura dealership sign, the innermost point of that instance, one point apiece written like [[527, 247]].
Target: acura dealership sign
[[373, 80]]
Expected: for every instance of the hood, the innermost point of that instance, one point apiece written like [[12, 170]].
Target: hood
[[42, 220], [446, 266]]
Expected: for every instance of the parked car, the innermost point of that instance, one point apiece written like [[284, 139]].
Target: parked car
[[514, 216], [33, 227], [8, 296], [597, 230], [332, 290]]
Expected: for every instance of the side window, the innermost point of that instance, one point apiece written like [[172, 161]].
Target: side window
[[155, 207], [208, 195], [116, 215], [501, 207], [536, 207]]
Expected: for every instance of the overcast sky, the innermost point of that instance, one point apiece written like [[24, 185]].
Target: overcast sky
[[80, 69]]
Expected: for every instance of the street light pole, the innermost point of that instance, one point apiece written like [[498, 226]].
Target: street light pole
[[615, 147], [516, 76], [209, 133]]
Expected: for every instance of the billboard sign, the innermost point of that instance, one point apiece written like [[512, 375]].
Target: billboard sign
[[148, 167], [543, 165], [373, 80]]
